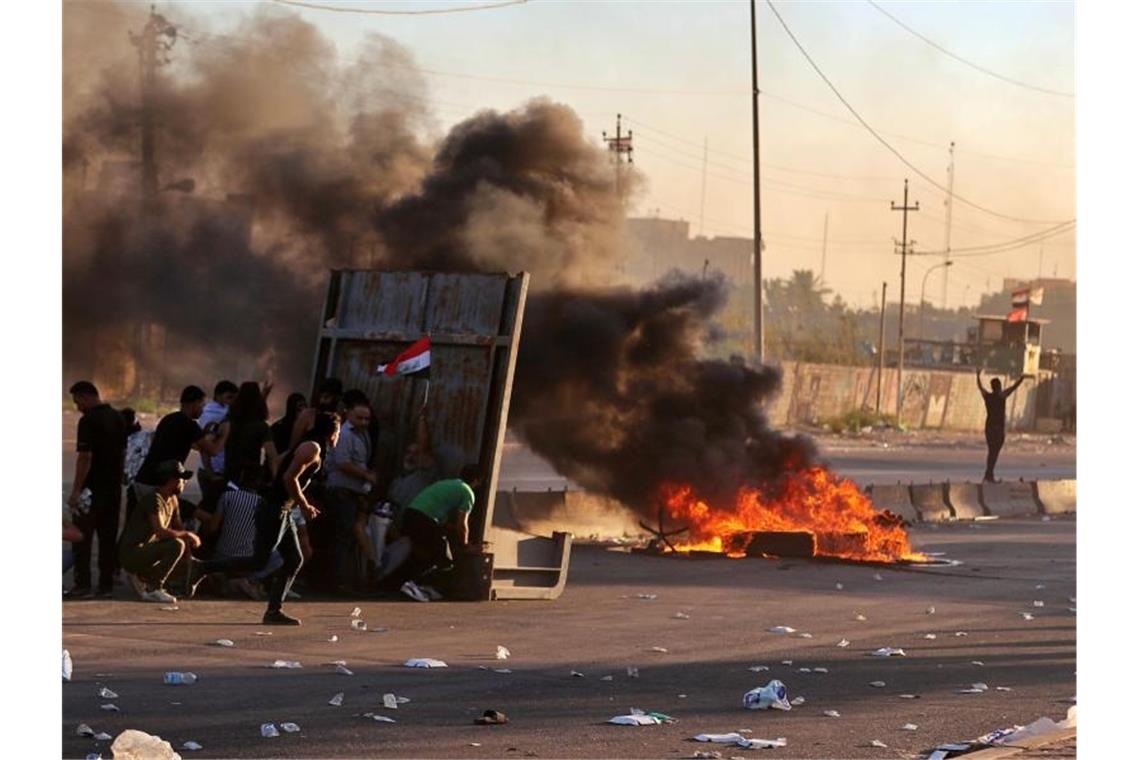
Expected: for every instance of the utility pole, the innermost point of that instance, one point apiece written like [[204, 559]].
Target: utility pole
[[906, 209], [619, 146], [949, 210], [757, 238], [823, 261], [882, 350], [1040, 260], [154, 44], [704, 176]]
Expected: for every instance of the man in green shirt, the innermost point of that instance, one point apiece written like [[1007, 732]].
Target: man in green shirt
[[154, 545], [435, 518]]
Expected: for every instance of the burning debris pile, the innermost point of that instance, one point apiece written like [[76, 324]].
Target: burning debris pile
[[299, 162]]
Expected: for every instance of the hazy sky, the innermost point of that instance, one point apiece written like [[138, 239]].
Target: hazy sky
[[679, 73]]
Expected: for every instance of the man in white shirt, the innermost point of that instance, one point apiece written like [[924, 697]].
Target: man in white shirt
[[210, 479]]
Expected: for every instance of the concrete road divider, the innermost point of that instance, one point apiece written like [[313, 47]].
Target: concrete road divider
[[965, 499], [930, 502], [1009, 498], [895, 499], [1056, 497]]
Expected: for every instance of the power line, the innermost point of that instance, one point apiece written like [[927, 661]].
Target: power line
[[378, 12], [881, 139], [1006, 245], [960, 59]]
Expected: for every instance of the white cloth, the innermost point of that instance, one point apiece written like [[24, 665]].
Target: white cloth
[[215, 412]]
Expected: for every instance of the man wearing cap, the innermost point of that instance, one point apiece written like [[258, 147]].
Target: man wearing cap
[[154, 546], [177, 433]]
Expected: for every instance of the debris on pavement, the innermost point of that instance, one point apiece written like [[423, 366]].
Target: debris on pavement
[[909, 696], [504, 671], [979, 663], [102, 736], [291, 728], [781, 629], [179, 679], [576, 674], [798, 701], [67, 665], [287, 664], [1003, 688], [960, 634], [680, 616], [1026, 616], [139, 745], [930, 610], [805, 635], [502, 653], [785, 662], [491, 718], [909, 727], [878, 576], [877, 684], [380, 718], [647, 597], [607, 678], [109, 707], [860, 617], [758, 668], [356, 612], [930, 636], [741, 741], [106, 693], [838, 586], [632, 672], [831, 713], [222, 643], [269, 731], [877, 743], [84, 730], [342, 670], [641, 719], [1038, 603], [334, 639], [359, 625], [774, 695], [337, 700], [661, 650], [819, 670], [843, 644], [888, 652], [192, 746], [424, 662]]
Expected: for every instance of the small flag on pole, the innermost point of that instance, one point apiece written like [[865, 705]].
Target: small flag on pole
[[1026, 296], [414, 359]]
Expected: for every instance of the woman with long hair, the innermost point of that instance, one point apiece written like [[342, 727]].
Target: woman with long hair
[[248, 438], [283, 428]]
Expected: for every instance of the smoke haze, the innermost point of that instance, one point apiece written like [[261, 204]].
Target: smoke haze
[[301, 162]]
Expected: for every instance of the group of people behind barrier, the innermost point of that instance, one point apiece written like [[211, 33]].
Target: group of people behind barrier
[[326, 484]]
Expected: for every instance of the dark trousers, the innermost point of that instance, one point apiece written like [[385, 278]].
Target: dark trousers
[[344, 505], [429, 545], [274, 530], [102, 520], [995, 439]]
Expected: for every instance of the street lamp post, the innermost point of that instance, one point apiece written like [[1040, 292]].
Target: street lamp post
[[922, 293]]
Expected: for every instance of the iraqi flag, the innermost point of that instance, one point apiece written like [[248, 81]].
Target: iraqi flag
[[412, 360]]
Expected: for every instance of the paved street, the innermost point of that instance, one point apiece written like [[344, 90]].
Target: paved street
[[599, 628]]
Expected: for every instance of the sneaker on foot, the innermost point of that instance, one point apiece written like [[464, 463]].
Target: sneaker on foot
[[410, 589], [159, 595], [431, 593], [277, 617]]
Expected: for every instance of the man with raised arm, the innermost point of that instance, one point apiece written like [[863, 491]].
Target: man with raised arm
[[995, 418]]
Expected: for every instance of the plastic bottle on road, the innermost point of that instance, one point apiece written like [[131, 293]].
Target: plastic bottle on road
[[179, 679]]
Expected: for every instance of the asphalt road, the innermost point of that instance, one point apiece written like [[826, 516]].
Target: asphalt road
[[600, 627]]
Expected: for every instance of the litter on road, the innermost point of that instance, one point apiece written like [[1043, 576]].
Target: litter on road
[[641, 719], [742, 741], [106, 693], [337, 700], [758, 668], [909, 727], [356, 612], [290, 728], [888, 652], [179, 679], [109, 707], [661, 650], [772, 696], [831, 713], [781, 629], [192, 746], [798, 701], [502, 653], [424, 662], [342, 670], [877, 684], [334, 639], [287, 664], [359, 625], [222, 643], [67, 665], [269, 731], [491, 718], [877, 743], [843, 644], [84, 730], [909, 696]]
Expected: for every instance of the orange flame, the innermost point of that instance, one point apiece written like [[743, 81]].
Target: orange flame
[[842, 518]]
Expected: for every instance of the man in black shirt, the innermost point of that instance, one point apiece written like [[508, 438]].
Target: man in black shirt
[[995, 419], [177, 433], [96, 492]]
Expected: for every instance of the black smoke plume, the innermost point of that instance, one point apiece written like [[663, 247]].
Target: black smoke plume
[[280, 161]]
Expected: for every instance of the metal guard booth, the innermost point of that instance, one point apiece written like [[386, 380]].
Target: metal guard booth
[[474, 321]]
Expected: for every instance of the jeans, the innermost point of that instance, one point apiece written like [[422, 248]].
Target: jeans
[[274, 531], [101, 520]]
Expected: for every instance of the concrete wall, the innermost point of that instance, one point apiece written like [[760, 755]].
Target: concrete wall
[[932, 399]]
